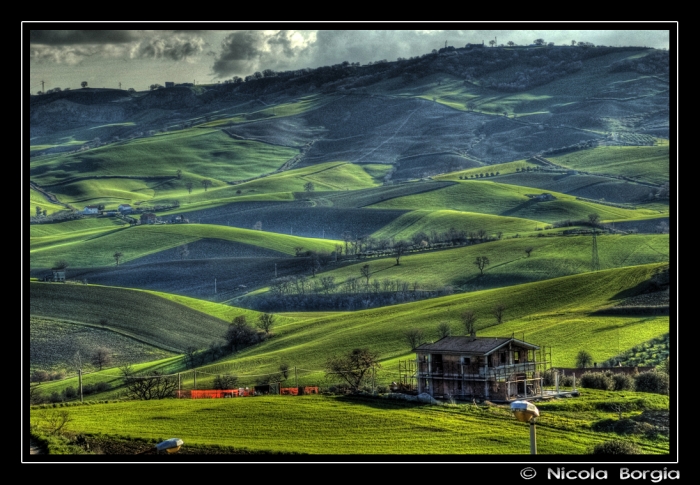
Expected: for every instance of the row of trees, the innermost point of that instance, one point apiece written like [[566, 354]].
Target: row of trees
[[468, 318]]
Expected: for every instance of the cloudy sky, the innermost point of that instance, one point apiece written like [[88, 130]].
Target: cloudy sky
[[139, 58]]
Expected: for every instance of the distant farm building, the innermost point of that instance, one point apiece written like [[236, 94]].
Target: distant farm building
[[179, 219], [58, 275], [123, 208], [494, 368], [148, 218], [169, 84], [91, 209]]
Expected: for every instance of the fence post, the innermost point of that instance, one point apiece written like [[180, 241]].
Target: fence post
[[80, 383], [195, 378]]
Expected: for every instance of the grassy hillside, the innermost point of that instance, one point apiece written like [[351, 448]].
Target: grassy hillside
[[643, 163], [201, 152], [168, 322], [441, 221], [134, 242], [551, 257], [557, 313], [509, 200]]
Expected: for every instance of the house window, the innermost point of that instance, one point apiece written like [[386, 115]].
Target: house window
[[503, 358], [516, 357], [467, 360]]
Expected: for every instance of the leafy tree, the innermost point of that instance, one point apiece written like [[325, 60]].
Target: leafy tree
[[593, 218], [539, 41], [83, 84], [257, 226], [206, 183], [492, 42], [511, 43], [528, 250], [265, 322], [188, 186], [284, 370], [469, 318], [498, 312], [309, 187], [354, 368], [239, 333], [191, 356], [178, 173], [117, 256], [60, 264], [481, 262], [583, 359], [414, 337]]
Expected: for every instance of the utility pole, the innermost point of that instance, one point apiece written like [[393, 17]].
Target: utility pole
[[120, 84], [42, 86], [80, 383], [179, 395]]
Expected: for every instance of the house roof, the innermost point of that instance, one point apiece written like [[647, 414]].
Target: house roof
[[473, 345]]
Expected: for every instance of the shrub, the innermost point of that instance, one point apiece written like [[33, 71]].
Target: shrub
[[652, 381], [70, 392], [596, 380], [616, 447], [623, 382]]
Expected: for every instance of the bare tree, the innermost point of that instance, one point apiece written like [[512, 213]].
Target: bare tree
[[469, 318], [444, 330], [583, 359], [309, 187], [354, 368], [127, 370], [414, 337], [498, 312], [225, 382], [284, 370], [178, 173], [117, 256], [528, 250], [400, 247], [154, 386], [365, 272], [101, 357], [184, 251], [265, 322], [481, 262]]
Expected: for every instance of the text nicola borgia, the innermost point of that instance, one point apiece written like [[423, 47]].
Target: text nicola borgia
[[654, 476]]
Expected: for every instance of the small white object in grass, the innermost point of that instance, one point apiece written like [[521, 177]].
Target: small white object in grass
[[170, 445]]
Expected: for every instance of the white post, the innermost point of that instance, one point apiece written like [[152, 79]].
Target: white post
[[556, 381]]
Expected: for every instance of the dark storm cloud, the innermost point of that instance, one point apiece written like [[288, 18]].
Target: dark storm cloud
[[72, 37], [173, 48], [239, 53]]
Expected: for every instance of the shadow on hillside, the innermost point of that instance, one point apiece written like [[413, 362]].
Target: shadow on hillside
[[518, 208], [379, 402]]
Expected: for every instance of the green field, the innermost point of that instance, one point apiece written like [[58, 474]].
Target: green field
[[327, 425]]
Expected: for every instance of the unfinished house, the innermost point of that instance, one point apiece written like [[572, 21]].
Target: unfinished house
[[470, 367]]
